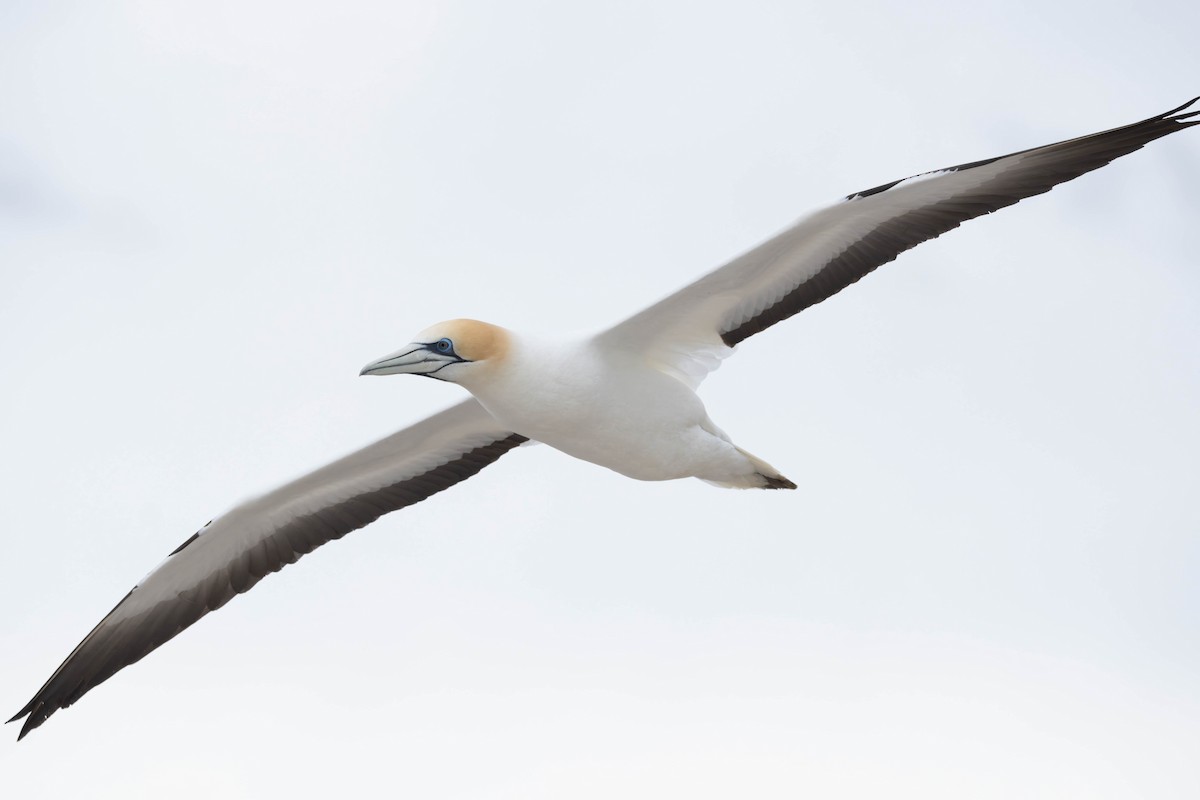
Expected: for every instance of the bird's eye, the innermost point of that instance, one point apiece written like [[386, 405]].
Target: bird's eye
[[444, 345]]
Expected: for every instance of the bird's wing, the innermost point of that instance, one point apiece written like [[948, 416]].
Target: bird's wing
[[235, 551], [689, 332]]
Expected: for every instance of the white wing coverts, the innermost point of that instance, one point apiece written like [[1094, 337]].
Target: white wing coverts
[[685, 335], [689, 332], [237, 550]]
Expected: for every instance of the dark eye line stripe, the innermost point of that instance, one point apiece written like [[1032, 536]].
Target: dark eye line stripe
[[433, 347]]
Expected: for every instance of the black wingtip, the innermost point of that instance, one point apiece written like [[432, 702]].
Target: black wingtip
[[1188, 104], [27, 727], [22, 713], [1184, 120], [36, 717]]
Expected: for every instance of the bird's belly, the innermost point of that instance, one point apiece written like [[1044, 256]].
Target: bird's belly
[[648, 431], [644, 457]]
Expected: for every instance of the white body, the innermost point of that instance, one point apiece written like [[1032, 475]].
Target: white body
[[625, 399], [614, 409]]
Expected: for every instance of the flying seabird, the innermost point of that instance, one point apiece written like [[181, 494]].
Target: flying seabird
[[624, 398]]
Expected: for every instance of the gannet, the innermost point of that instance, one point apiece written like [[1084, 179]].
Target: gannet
[[624, 398]]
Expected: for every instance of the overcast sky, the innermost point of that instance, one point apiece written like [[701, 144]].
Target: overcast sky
[[985, 586]]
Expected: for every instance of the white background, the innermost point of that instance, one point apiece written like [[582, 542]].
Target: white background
[[986, 586]]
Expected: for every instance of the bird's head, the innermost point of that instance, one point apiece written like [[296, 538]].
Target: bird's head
[[454, 351]]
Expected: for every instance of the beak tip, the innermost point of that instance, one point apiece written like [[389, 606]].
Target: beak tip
[[399, 363]]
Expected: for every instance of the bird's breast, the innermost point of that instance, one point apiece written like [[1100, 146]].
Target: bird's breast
[[628, 417]]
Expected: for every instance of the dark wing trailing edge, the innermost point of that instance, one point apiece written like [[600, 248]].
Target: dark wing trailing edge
[[831, 249], [1032, 172], [235, 551]]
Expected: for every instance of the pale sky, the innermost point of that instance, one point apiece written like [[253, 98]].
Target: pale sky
[[985, 586]]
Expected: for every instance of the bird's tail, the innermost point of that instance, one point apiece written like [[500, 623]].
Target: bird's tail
[[763, 476]]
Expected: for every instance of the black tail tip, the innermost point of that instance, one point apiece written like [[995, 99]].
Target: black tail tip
[[777, 482]]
